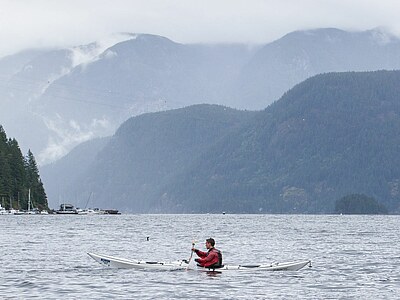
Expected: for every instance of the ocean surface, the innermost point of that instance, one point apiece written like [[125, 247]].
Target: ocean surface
[[353, 257]]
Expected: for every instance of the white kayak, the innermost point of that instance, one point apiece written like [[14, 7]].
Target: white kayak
[[122, 263]]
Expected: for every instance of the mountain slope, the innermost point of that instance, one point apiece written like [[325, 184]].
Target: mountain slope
[[148, 151], [332, 135], [60, 177], [68, 96], [280, 65], [147, 73]]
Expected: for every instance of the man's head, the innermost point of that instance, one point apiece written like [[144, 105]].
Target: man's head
[[210, 243]]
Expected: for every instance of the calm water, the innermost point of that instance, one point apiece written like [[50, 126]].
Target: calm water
[[354, 257]]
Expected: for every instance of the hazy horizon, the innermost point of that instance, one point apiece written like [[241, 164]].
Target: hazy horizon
[[47, 24]]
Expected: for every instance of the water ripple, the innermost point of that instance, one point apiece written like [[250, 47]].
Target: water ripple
[[354, 257]]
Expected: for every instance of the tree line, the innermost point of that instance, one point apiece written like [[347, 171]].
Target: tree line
[[18, 175], [359, 204]]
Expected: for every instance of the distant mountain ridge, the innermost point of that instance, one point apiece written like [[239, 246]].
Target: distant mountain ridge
[[332, 135], [280, 65], [67, 96]]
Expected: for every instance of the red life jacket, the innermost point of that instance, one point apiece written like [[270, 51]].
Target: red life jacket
[[211, 259]]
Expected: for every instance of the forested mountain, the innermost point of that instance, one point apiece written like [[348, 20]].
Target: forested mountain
[[332, 135], [146, 152], [19, 174], [67, 96]]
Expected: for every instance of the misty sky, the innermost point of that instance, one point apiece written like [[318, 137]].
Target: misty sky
[[64, 23]]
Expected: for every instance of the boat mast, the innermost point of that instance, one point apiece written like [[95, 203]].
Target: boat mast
[[87, 202], [29, 200]]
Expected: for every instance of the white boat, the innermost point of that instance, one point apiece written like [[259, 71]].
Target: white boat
[[81, 211], [13, 211], [3, 210], [90, 211], [122, 263], [95, 211], [30, 211], [10, 211]]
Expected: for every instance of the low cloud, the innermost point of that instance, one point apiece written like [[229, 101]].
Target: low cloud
[[82, 55], [62, 23], [65, 135]]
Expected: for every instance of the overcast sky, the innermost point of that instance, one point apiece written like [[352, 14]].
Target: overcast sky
[[63, 23]]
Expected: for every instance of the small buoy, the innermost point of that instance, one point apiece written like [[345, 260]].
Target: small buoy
[[223, 212]]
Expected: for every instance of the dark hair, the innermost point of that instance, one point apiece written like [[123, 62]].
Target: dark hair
[[211, 241]]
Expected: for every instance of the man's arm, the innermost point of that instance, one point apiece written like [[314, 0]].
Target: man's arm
[[200, 253]]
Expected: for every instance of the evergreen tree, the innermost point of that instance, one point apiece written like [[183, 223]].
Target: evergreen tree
[[359, 204], [19, 174], [34, 182], [4, 165], [17, 171]]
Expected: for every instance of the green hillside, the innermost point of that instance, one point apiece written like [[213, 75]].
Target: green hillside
[[333, 135], [148, 152]]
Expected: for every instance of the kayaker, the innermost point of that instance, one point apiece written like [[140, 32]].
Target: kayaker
[[212, 258]]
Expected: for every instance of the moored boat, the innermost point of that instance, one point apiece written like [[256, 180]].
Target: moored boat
[[66, 209], [2, 210], [112, 212], [70, 209]]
